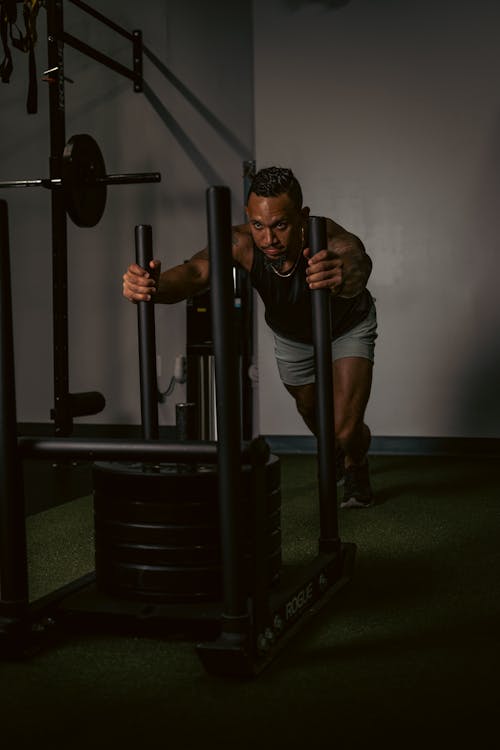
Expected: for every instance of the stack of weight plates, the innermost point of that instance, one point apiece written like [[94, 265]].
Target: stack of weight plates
[[157, 530]]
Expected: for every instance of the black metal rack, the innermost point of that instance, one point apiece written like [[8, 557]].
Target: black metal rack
[[66, 404]]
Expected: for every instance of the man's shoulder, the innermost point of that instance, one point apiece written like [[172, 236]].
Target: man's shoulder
[[340, 240], [242, 234], [333, 229]]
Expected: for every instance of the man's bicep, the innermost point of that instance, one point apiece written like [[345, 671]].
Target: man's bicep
[[199, 269]]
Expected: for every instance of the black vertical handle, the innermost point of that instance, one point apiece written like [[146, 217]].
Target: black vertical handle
[[228, 405], [147, 341], [13, 555], [322, 319]]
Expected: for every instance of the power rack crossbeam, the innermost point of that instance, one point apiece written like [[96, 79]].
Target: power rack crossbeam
[[134, 73]]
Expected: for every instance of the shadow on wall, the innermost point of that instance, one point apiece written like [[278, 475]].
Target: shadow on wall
[[477, 383], [328, 4], [478, 398], [189, 147]]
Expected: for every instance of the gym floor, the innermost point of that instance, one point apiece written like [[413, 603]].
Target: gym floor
[[405, 655]]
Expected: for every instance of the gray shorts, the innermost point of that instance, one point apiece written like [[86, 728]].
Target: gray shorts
[[296, 361]]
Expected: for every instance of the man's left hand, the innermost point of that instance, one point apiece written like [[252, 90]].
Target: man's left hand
[[343, 267]]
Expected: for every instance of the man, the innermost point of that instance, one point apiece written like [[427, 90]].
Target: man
[[271, 247]]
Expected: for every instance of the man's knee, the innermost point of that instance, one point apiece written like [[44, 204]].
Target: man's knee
[[305, 408], [305, 402]]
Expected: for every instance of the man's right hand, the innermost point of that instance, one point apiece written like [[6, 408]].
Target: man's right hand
[[140, 285]]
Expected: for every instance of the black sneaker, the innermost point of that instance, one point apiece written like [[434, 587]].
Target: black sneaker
[[357, 489]]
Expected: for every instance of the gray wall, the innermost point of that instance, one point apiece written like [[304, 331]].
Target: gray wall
[[387, 111], [389, 114], [194, 124]]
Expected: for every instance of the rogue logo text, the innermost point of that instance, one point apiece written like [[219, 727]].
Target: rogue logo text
[[299, 601]]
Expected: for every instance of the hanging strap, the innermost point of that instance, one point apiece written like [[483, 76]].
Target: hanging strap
[[8, 16], [30, 13], [23, 42]]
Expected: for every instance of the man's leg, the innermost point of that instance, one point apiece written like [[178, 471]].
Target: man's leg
[[352, 379], [353, 356]]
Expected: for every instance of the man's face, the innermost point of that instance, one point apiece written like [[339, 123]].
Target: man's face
[[276, 226]]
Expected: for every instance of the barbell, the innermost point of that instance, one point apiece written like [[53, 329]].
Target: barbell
[[84, 180]]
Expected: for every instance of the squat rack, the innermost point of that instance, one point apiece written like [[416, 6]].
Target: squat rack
[[77, 182]]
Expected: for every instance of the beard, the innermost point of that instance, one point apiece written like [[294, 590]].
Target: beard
[[274, 263]]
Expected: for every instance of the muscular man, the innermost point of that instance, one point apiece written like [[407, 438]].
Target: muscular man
[[271, 247]]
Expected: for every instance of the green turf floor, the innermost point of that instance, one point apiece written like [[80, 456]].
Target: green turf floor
[[406, 655]]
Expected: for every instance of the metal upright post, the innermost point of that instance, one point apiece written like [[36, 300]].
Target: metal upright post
[[235, 615], [245, 292], [325, 417], [147, 341], [62, 410], [13, 557]]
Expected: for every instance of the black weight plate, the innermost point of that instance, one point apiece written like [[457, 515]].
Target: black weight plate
[[157, 555], [208, 552], [82, 164], [136, 511], [167, 511], [133, 532], [174, 582], [168, 535], [148, 484]]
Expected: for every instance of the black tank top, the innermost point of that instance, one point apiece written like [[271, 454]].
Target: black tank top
[[287, 302]]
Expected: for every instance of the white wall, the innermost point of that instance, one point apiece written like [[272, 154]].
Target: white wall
[[196, 129], [388, 112]]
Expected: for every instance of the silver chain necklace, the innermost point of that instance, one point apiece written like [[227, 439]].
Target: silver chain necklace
[[288, 273], [296, 263]]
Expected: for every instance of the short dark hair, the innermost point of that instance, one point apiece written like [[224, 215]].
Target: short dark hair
[[274, 181]]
